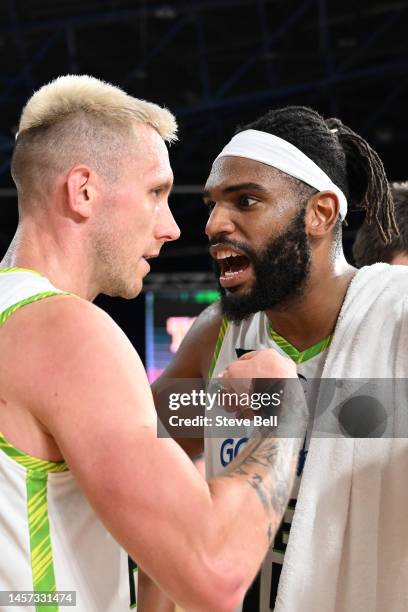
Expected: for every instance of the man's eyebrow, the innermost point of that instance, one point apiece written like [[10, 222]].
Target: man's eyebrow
[[239, 187], [166, 185]]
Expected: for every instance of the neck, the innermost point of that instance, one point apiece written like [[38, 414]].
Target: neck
[[313, 315], [39, 247]]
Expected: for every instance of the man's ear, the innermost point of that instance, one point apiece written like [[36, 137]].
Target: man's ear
[[81, 190], [322, 213]]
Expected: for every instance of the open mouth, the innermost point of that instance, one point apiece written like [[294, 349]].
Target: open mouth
[[233, 265]]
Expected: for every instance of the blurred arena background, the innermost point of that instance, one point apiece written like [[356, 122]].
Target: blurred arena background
[[215, 64]]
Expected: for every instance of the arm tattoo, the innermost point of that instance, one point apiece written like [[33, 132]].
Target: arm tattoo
[[279, 496], [255, 483], [272, 488]]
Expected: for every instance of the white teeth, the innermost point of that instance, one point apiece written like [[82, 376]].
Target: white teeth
[[224, 254], [231, 274]]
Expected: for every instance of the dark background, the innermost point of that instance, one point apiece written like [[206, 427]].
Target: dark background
[[215, 64]]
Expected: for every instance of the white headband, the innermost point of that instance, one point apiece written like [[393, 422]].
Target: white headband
[[276, 152]]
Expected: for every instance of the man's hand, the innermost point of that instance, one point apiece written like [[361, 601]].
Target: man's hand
[[266, 363], [240, 376]]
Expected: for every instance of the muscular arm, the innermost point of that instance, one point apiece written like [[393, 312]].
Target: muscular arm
[[85, 384]]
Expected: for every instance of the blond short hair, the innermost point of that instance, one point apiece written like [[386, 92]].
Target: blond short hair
[[73, 93], [80, 119]]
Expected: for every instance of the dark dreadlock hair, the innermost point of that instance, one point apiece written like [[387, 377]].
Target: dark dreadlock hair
[[368, 247], [342, 154]]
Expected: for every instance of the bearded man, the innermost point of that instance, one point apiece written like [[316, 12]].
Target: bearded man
[[277, 196]]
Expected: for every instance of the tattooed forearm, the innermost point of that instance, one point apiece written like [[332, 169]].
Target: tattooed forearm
[[268, 465], [263, 452]]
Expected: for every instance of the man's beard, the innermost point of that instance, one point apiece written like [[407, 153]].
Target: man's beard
[[281, 272]]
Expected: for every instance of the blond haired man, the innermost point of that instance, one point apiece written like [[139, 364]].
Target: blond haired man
[[83, 476]]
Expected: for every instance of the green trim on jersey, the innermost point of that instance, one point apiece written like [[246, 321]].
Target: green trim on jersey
[[218, 345], [17, 269], [293, 352], [33, 464], [33, 298], [37, 471], [42, 564]]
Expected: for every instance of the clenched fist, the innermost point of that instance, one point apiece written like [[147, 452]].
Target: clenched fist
[[266, 363], [268, 374]]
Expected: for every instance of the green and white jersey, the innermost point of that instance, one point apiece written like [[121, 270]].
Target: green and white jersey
[[233, 341], [51, 539]]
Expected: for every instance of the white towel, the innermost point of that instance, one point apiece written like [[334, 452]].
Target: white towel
[[348, 545]]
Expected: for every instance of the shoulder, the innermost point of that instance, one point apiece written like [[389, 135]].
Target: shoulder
[[62, 345], [57, 321], [209, 321], [378, 284], [384, 273]]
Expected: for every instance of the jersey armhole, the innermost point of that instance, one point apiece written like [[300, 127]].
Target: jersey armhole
[[33, 298]]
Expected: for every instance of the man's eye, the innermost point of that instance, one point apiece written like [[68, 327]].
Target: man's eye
[[210, 206], [246, 201]]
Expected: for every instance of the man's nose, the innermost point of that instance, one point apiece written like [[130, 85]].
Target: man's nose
[[219, 222], [166, 226]]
